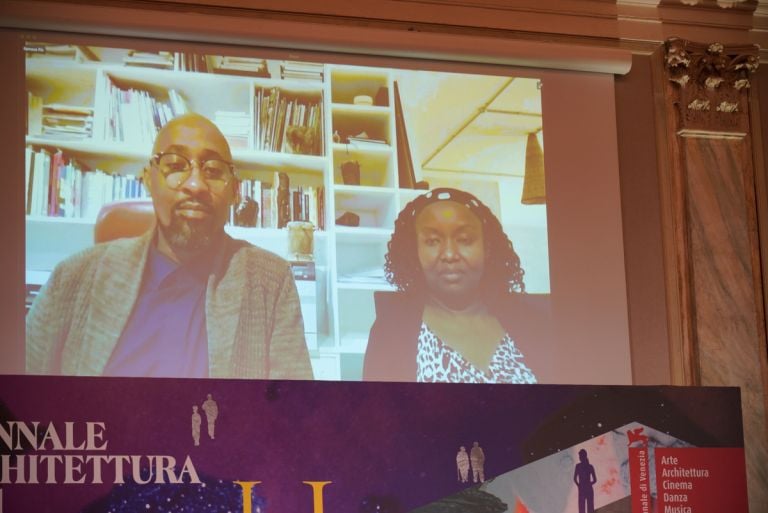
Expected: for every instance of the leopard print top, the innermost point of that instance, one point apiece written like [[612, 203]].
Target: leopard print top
[[438, 363]]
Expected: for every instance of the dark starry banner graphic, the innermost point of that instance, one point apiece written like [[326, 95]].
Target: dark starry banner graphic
[[98, 445]]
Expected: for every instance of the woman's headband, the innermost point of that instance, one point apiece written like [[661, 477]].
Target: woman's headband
[[447, 194]]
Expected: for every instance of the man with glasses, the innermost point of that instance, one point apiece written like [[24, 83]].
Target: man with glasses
[[183, 300]]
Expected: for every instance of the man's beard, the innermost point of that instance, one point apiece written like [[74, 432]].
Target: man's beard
[[190, 234]]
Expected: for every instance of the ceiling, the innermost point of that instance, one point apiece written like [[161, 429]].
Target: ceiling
[[469, 123]]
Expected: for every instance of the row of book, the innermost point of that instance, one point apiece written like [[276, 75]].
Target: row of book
[[134, 115], [183, 61], [176, 61], [281, 122], [198, 63], [287, 124], [274, 205], [58, 186]]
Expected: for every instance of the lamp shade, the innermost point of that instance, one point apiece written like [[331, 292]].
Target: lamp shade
[[534, 189]]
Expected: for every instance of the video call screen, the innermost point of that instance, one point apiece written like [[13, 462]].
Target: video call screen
[[330, 159]]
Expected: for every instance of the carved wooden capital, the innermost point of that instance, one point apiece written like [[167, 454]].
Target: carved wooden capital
[[709, 84]]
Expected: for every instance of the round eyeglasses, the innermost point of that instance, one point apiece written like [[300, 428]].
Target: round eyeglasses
[[176, 169]]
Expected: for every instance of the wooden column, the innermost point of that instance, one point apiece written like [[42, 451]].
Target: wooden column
[[713, 268]]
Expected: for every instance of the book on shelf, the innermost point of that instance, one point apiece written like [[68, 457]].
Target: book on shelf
[[160, 60], [29, 161], [55, 190], [234, 65], [195, 62], [297, 70], [134, 115], [73, 110], [58, 186], [67, 122], [304, 204], [40, 176], [287, 124], [34, 114]]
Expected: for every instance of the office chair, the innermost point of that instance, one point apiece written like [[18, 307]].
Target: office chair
[[121, 219]]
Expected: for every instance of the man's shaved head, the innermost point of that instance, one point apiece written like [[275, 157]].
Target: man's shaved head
[[192, 122]]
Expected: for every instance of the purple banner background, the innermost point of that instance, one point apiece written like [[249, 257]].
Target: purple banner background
[[391, 443]]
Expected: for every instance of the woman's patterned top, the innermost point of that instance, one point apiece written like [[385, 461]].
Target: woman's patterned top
[[438, 363]]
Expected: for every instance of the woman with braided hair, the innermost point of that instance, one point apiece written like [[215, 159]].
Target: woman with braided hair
[[460, 302]]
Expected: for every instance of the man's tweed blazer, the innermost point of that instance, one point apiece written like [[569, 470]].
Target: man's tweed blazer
[[253, 316]]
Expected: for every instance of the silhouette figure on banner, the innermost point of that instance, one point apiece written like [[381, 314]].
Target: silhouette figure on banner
[[196, 421], [584, 477], [477, 459], [462, 465], [211, 410]]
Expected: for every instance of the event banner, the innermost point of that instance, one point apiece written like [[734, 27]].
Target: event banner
[[119, 445]]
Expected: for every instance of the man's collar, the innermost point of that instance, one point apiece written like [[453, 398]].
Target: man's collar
[[199, 267]]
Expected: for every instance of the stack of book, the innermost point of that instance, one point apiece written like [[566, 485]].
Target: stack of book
[[236, 127], [67, 121], [249, 66], [297, 70], [160, 60], [287, 124], [61, 187], [134, 115], [58, 121]]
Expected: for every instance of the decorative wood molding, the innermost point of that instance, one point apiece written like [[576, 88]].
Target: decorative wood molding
[[710, 84], [712, 247], [715, 4], [706, 98], [310, 37]]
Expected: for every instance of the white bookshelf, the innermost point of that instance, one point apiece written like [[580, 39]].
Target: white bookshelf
[[340, 303]]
